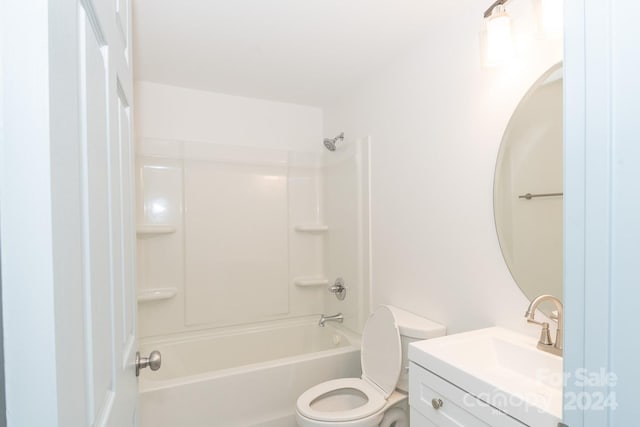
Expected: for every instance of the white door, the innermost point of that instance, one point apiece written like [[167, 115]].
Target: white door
[[68, 231], [601, 211], [106, 200]]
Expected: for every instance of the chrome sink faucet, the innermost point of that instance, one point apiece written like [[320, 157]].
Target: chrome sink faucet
[[335, 318], [545, 343]]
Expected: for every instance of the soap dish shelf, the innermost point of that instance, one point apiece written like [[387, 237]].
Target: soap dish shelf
[[156, 294], [307, 282], [149, 230], [311, 228]]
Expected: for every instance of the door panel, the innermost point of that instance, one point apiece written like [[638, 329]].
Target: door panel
[[126, 219], [96, 219], [123, 16], [125, 306], [108, 231]]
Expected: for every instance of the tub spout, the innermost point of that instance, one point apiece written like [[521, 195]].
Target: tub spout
[[335, 318]]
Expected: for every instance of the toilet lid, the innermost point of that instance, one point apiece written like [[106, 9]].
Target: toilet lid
[[381, 354]]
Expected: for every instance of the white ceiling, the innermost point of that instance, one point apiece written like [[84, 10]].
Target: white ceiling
[[301, 51]]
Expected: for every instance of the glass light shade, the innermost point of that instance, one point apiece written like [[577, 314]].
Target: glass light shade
[[551, 16], [499, 47]]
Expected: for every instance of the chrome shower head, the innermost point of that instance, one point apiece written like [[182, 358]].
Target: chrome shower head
[[330, 144]]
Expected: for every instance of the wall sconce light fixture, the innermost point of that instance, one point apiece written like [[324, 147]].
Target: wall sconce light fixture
[[499, 43]]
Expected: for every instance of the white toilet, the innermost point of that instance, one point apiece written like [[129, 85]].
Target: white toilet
[[379, 397]]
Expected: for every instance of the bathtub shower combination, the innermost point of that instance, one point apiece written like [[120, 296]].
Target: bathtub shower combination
[[237, 247], [249, 377]]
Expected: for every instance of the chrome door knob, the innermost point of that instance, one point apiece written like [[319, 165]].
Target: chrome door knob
[[154, 361]]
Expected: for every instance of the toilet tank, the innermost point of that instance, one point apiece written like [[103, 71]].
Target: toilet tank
[[413, 328]]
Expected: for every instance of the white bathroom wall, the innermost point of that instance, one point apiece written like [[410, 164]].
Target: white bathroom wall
[[175, 113], [436, 119]]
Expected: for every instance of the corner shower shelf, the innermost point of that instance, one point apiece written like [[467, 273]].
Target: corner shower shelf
[[154, 230], [308, 282], [156, 294], [311, 228]]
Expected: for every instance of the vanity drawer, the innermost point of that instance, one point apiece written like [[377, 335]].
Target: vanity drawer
[[419, 420], [458, 407]]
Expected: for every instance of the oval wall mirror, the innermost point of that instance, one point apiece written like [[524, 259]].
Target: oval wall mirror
[[527, 191]]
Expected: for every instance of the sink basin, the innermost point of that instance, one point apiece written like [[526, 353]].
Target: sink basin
[[501, 368]]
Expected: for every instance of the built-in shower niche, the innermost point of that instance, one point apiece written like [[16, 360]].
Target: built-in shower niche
[[227, 236]]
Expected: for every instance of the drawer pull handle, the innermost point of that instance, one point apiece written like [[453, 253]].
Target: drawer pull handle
[[436, 403]]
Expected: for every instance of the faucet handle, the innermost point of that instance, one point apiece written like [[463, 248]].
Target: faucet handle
[[339, 289], [535, 322]]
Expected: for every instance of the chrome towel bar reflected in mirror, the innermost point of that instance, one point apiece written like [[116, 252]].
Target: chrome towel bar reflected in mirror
[[530, 196]]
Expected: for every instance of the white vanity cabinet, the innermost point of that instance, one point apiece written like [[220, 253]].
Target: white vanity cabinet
[[436, 402]]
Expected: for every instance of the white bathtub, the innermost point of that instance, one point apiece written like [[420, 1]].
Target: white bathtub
[[243, 378]]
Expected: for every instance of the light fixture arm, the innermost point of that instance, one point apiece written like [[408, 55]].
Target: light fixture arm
[[487, 13]]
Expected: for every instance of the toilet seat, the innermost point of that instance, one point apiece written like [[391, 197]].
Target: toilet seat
[[334, 401], [374, 400]]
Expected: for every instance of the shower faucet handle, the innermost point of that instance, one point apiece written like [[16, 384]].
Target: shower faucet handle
[[338, 288]]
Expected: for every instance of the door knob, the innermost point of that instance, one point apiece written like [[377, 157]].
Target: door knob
[[153, 361]]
